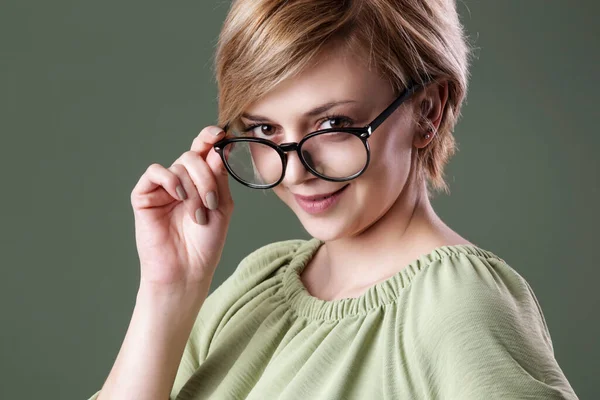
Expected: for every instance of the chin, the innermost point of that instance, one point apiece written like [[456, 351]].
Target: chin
[[325, 228], [323, 232]]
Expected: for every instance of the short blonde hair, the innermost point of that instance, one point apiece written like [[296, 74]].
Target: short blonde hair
[[264, 42]]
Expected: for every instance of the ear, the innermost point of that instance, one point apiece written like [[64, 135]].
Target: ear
[[429, 108]]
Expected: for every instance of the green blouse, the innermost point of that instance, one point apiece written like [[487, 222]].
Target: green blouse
[[456, 323]]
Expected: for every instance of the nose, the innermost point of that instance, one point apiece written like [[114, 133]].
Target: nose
[[295, 172]]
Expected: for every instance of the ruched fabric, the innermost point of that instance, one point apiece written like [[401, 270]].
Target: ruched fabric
[[456, 323]]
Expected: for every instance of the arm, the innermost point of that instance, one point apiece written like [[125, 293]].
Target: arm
[[151, 352], [214, 311]]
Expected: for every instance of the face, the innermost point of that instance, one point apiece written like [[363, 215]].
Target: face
[[361, 95]]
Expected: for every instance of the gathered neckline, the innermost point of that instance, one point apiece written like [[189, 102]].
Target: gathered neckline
[[382, 293]]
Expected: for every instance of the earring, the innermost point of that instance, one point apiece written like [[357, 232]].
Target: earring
[[428, 134]]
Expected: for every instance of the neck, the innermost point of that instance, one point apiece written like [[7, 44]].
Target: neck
[[409, 229]]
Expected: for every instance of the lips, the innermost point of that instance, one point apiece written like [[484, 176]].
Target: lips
[[319, 203], [319, 196]]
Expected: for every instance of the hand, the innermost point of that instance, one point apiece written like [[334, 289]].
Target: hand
[[173, 247]]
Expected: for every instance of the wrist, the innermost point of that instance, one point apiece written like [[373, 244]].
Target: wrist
[[181, 296]]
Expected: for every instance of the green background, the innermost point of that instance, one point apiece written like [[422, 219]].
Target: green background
[[92, 93]]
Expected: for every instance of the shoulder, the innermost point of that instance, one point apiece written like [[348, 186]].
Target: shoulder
[[469, 269], [258, 267], [253, 274], [269, 258], [468, 265], [468, 283], [475, 316]]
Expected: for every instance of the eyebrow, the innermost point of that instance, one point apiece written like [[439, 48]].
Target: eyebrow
[[311, 113]]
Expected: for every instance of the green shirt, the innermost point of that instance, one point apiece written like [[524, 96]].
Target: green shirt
[[456, 323]]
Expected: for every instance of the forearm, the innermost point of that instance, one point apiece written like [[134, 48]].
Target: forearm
[[151, 352]]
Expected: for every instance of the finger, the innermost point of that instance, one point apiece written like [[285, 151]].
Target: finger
[[193, 203], [154, 187], [215, 163], [206, 139], [202, 177]]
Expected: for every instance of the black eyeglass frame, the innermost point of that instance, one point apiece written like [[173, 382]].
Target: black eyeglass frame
[[363, 133]]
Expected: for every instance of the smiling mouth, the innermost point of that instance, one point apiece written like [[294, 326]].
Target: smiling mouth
[[332, 194], [321, 197]]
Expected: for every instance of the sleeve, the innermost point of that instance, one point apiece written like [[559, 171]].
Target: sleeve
[[218, 306], [484, 335]]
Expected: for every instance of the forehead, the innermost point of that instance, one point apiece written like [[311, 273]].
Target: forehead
[[332, 76]]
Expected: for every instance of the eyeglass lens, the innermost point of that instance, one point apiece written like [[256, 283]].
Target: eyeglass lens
[[335, 155]]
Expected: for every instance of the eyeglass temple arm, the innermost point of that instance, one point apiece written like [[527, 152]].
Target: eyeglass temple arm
[[412, 88]]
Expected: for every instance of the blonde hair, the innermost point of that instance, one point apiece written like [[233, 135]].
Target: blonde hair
[[264, 42]]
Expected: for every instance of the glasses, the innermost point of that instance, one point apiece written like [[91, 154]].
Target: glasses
[[334, 154]]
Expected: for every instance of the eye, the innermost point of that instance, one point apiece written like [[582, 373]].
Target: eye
[[336, 121], [260, 130]]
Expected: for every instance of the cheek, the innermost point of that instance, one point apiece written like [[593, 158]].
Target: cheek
[[391, 154], [387, 174], [285, 196], [280, 193]]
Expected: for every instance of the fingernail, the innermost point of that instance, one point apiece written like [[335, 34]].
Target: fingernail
[[215, 130], [211, 201], [200, 217], [180, 192]]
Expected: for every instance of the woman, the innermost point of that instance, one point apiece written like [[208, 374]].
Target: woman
[[346, 110]]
